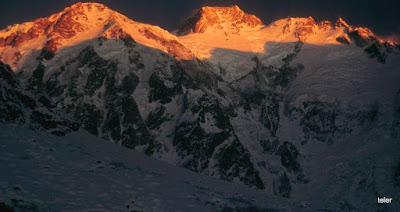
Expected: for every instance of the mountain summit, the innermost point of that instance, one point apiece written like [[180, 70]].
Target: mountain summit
[[209, 29], [220, 18], [79, 23], [90, 18], [281, 107]]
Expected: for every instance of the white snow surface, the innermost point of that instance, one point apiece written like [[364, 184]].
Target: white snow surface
[[360, 77], [90, 21], [80, 172], [234, 49], [69, 178], [228, 49]]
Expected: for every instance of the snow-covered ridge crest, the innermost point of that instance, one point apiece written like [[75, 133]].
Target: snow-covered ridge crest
[[205, 39], [76, 24], [232, 21], [209, 30], [308, 30], [218, 18]]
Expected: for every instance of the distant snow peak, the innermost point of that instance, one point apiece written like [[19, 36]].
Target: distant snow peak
[[324, 32], [221, 18], [341, 23], [209, 29], [301, 27], [85, 9], [67, 24], [89, 6], [79, 23]]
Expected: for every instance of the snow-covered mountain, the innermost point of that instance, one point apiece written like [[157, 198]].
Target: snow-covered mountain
[[22, 43], [300, 109], [226, 36], [21, 106]]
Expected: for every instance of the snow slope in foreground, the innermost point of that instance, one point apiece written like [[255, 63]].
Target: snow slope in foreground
[[80, 172]]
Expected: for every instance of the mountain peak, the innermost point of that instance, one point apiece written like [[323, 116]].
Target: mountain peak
[[82, 9], [341, 23], [79, 23], [221, 9], [88, 6], [218, 18], [63, 25]]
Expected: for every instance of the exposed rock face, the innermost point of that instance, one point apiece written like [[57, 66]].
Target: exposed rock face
[[361, 36], [173, 47], [77, 24], [264, 127], [216, 17], [305, 29], [343, 39], [15, 39], [341, 23], [101, 98], [61, 26], [377, 51], [21, 106]]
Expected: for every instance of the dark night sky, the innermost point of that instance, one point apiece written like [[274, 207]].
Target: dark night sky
[[383, 16]]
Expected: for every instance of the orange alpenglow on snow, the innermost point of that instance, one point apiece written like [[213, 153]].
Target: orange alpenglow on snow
[[209, 17], [209, 29], [79, 23], [230, 28]]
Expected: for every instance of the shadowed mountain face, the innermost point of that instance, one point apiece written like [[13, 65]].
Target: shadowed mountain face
[[280, 108], [22, 106]]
